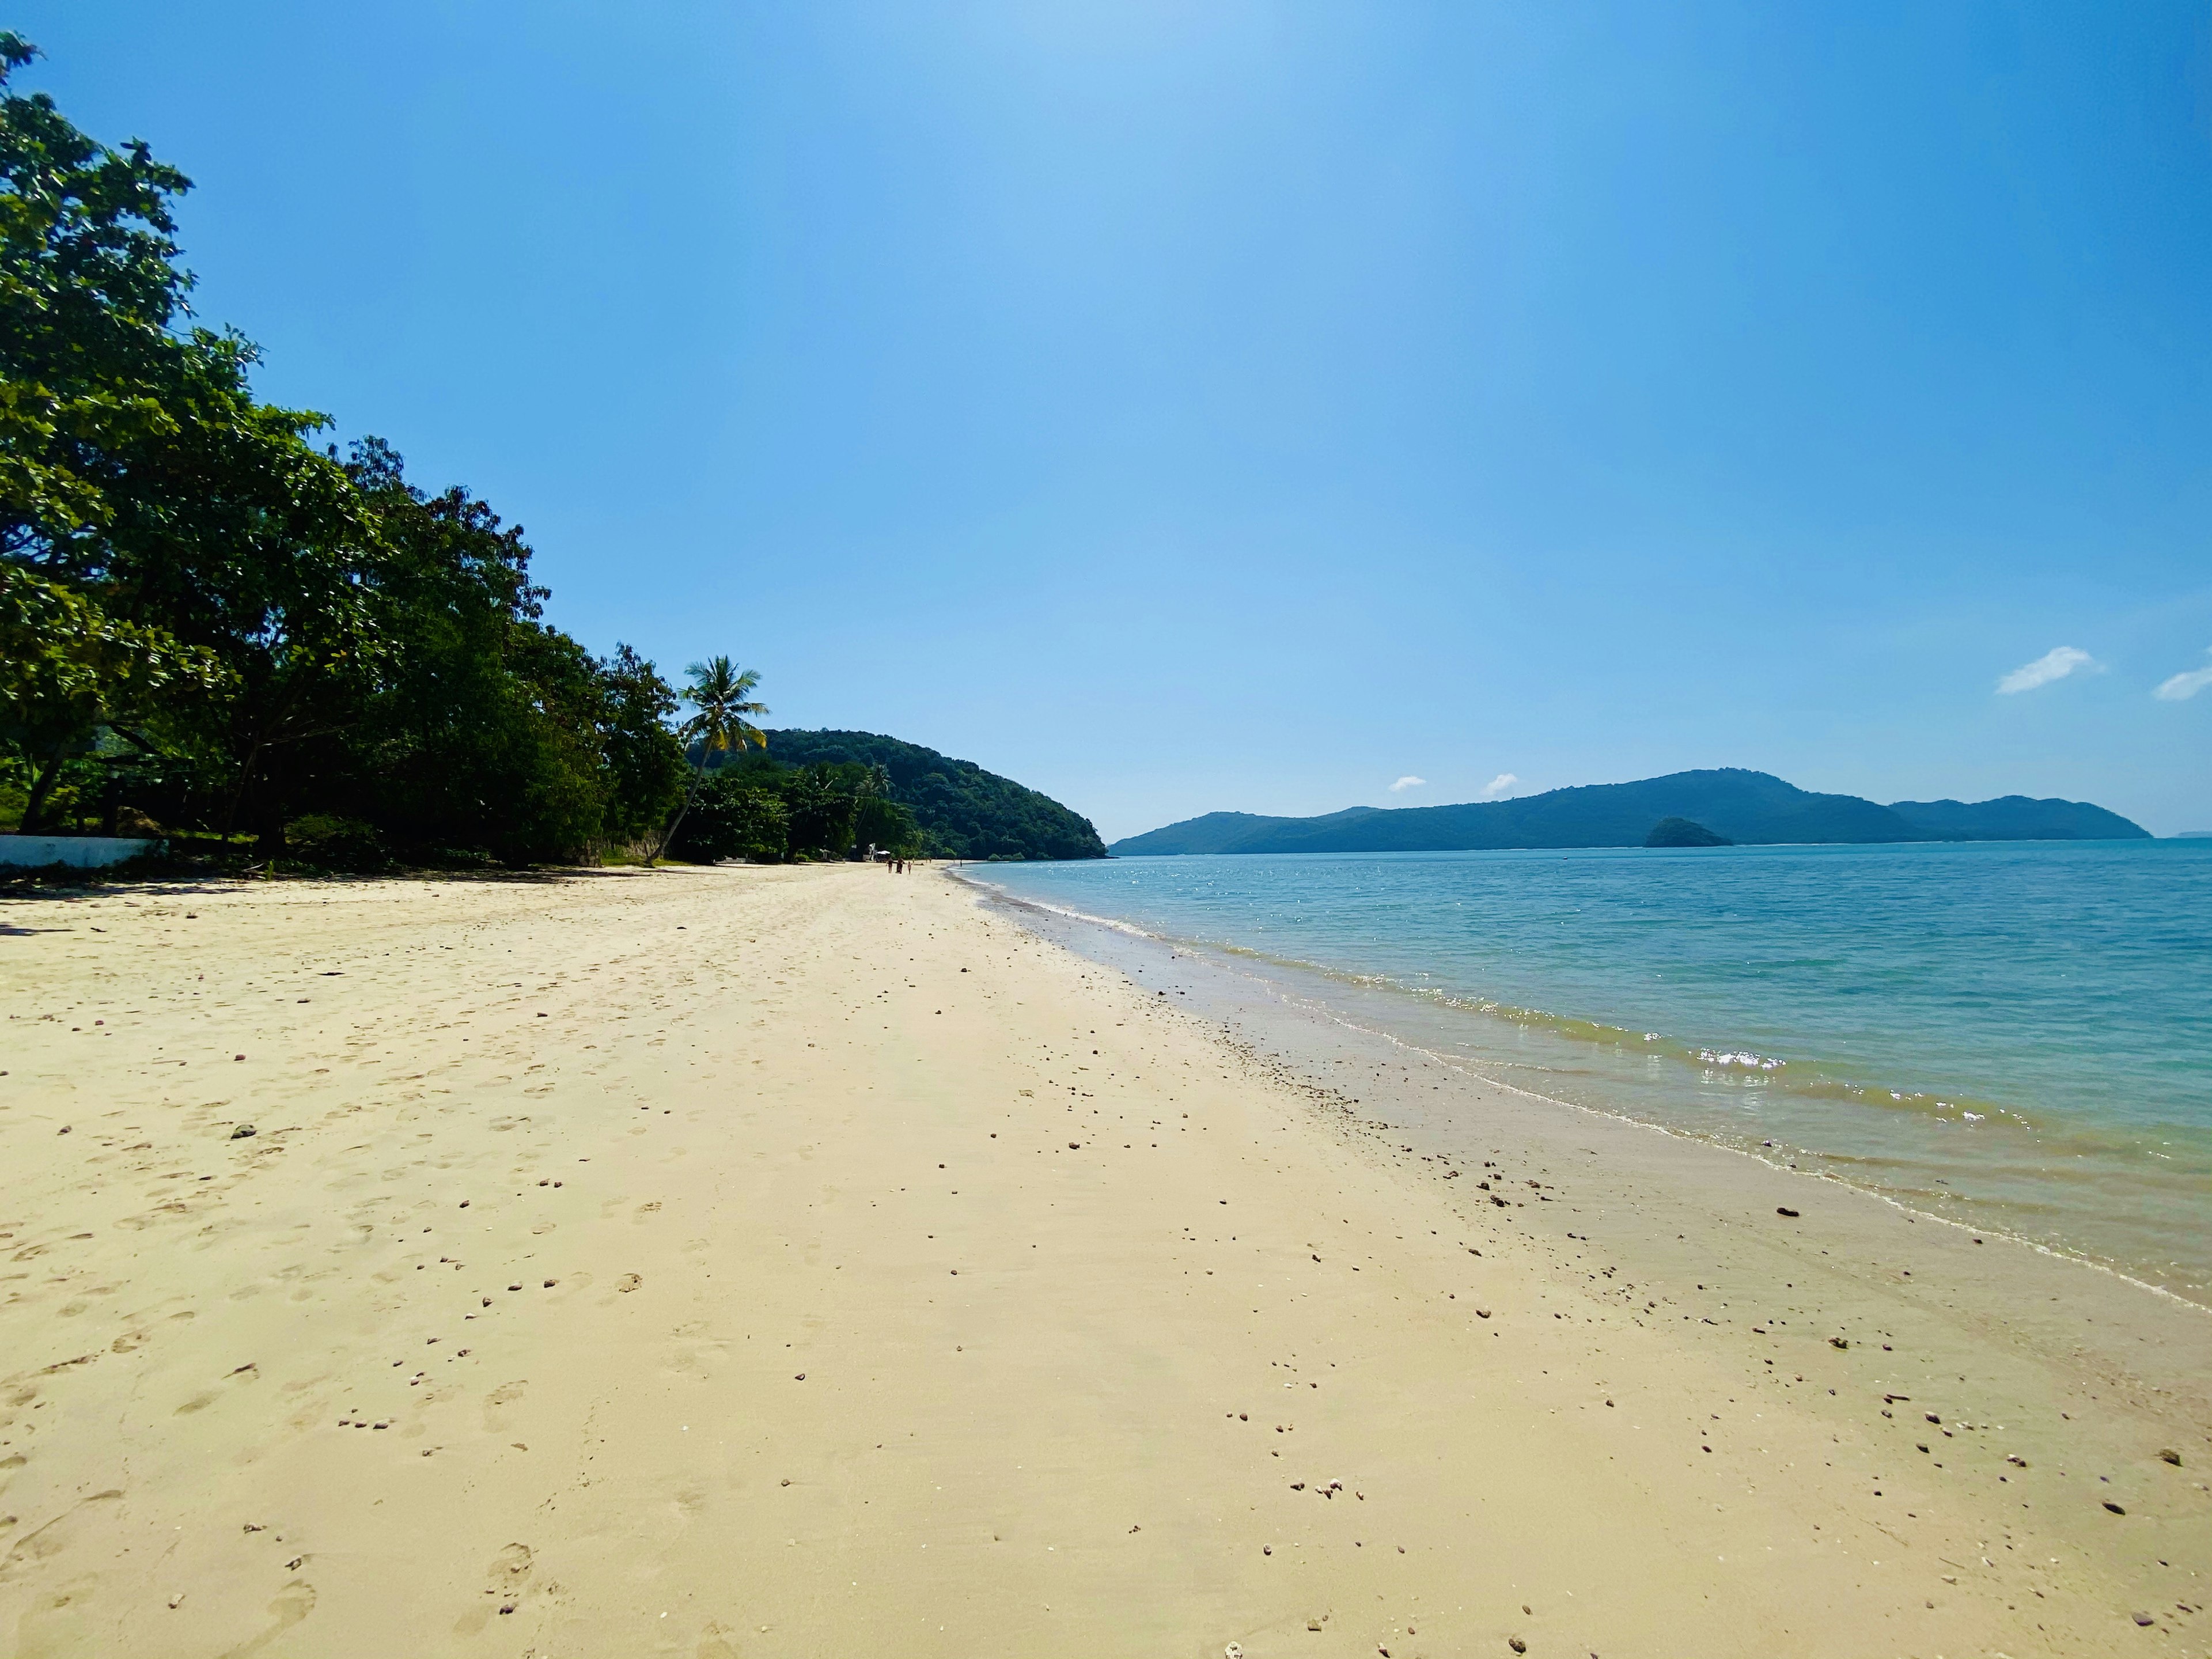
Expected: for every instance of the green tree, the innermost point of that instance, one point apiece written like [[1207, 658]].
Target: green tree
[[880, 821], [644, 756], [489, 729], [138, 472], [822, 809], [737, 813], [721, 692], [67, 670], [192, 595]]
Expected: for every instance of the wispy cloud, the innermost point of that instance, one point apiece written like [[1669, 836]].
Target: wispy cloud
[[2186, 685], [1499, 786], [1409, 781], [2055, 664]]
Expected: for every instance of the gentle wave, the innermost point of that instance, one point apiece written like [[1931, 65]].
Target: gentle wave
[[1742, 1067], [2005, 1033]]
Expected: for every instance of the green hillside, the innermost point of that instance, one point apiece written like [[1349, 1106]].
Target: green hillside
[[965, 812], [2017, 817]]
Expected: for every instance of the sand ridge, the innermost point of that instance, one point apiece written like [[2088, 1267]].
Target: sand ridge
[[809, 1261]]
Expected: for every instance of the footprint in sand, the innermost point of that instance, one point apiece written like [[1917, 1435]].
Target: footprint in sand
[[292, 1604], [504, 1581], [64, 1530], [504, 1395]]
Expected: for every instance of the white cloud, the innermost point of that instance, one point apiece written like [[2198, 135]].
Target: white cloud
[[2055, 664], [1499, 786], [2183, 686], [1409, 781]]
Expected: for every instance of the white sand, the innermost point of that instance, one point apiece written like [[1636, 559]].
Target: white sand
[[909, 1286]]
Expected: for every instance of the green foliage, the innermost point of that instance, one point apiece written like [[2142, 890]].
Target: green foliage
[[486, 727], [959, 810], [67, 669], [644, 761], [733, 815], [720, 691], [880, 822], [757, 809], [208, 623], [322, 841], [824, 808], [137, 471], [201, 611]]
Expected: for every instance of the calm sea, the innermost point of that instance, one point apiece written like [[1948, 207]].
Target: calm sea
[[2015, 1035]]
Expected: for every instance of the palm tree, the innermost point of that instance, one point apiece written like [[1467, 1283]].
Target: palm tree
[[722, 693]]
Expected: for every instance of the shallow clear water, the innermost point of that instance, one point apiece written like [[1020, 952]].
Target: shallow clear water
[[2016, 1034]]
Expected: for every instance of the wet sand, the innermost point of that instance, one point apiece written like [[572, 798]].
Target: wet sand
[[811, 1260]]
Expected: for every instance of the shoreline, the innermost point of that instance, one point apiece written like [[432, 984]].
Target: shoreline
[[1271, 1015], [827, 1338], [1265, 987], [2077, 1192]]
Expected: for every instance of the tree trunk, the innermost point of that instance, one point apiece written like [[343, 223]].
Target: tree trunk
[[238, 795], [42, 785], [268, 828], [661, 851]]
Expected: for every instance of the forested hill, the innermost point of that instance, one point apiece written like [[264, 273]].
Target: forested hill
[[1746, 807], [966, 812], [2017, 818]]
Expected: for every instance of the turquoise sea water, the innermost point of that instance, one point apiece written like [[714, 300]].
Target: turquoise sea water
[[2017, 1035]]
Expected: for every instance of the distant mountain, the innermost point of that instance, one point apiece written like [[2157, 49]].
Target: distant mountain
[[2015, 817], [967, 812], [1741, 806]]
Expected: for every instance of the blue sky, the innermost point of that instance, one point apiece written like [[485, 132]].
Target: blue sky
[[1187, 407]]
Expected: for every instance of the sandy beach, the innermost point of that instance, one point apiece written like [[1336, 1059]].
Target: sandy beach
[[809, 1261]]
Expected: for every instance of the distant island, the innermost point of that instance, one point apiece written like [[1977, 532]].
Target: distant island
[[1680, 832], [1728, 804]]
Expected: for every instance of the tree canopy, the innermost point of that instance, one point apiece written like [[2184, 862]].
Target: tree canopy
[[212, 622], [206, 619]]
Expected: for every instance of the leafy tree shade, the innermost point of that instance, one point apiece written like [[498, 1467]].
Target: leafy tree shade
[[961, 810]]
